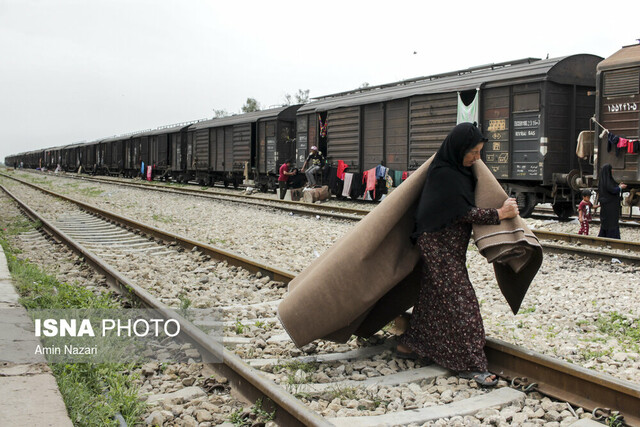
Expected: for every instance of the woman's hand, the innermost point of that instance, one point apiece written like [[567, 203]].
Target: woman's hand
[[509, 209]]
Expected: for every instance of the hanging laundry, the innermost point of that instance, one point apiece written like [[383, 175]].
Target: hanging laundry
[[388, 182], [468, 113], [584, 148], [348, 177], [369, 177], [397, 178], [357, 187], [142, 168], [380, 171], [323, 126], [405, 175], [341, 167], [611, 140]]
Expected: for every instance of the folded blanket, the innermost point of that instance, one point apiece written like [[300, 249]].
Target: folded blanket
[[372, 274]]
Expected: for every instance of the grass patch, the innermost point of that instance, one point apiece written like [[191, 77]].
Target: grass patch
[[292, 369], [255, 416], [626, 330], [90, 191], [167, 219], [93, 393]]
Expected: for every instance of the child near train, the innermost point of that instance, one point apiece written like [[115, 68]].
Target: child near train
[[585, 208]]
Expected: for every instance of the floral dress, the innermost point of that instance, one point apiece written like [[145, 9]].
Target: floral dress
[[446, 325]]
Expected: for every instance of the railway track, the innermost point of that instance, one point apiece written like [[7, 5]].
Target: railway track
[[543, 213], [627, 252], [557, 379]]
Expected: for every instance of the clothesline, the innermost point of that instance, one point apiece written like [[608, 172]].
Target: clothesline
[[604, 129]]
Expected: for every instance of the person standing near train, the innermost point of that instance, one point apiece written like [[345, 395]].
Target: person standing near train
[[585, 208], [283, 177], [609, 192], [446, 325]]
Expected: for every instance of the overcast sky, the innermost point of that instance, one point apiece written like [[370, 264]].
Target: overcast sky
[[74, 70]]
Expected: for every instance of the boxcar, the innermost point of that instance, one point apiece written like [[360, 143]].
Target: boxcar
[[618, 110], [155, 146], [531, 111], [244, 146]]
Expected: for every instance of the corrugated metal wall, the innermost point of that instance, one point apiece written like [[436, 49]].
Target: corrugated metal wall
[[163, 152], [241, 145], [219, 143], [201, 143], [190, 151], [228, 148], [372, 135], [302, 139], [262, 141], [561, 146], [270, 163], [621, 115], [431, 119], [176, 152], [343, 135], [396, 134], [213, 149], [144, 151]]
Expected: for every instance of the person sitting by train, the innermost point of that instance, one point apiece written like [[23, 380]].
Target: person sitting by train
[[609, 194], [584, 212], [283, 177], [315, 160]]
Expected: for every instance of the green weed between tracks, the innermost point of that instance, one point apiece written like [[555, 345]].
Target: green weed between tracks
[[92, 392]]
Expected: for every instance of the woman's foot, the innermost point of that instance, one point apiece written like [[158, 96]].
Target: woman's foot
[[484, 379], [404, 352]]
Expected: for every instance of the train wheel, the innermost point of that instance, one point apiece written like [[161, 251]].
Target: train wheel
[[526, 203], [235, 183], [563, 209]]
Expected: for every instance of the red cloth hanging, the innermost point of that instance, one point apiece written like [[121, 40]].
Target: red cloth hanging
[[369, 177], [341, 167]]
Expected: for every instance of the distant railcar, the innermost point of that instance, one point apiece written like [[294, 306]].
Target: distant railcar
[[244, 146], [530, 110]]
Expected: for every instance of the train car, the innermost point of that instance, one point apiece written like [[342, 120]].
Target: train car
[[244, 146], [88, 157], [112, 152], [155, 147], [531, 111], [618, 111], [52, 157]]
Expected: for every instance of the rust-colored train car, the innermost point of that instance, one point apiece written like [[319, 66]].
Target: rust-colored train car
[[618, 111]]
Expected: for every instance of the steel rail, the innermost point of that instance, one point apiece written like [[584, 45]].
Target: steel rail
[[292, 206], [504, 358], [255, 266], [249, 382], [565, 381]]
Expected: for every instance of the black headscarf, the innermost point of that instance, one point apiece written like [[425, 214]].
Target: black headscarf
[[449, 191], [608, 189]]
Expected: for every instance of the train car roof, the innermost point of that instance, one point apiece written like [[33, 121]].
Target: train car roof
[[628, 56], [574, 69], [165, 129], [244, 118]]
